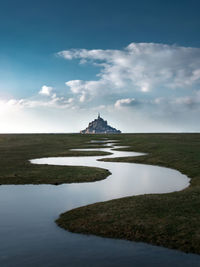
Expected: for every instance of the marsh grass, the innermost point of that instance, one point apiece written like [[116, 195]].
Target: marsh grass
[[17, 149], [170, 220]]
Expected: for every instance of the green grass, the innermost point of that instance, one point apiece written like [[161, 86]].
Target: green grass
[[17, 149], [171, 220]]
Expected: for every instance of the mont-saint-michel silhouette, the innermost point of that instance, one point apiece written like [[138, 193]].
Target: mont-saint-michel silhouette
[[100, 126]]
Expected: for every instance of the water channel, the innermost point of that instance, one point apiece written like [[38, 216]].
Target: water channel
[[30, 237]]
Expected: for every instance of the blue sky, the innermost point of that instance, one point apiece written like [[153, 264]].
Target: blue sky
[[137, 62]]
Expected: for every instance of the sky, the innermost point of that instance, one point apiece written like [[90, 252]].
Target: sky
[[137, 62]]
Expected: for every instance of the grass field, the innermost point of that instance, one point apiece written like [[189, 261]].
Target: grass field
[[17, 149], [170, 220]]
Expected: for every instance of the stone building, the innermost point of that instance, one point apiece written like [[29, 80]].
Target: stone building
[[99, 126]]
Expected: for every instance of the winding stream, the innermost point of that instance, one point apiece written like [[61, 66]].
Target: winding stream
[[126, 179], [30, 237]]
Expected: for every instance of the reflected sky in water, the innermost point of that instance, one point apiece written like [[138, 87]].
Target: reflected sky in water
[[30, 237], [126, 178]]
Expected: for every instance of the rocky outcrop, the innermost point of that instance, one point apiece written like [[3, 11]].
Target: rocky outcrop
[[99, 126]]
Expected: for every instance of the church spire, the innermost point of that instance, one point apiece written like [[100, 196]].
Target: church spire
[[98, 115]]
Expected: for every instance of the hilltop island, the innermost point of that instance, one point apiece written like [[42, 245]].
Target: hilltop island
[[99, 126]]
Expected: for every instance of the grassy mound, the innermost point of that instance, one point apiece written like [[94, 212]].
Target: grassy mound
[[170, 220]]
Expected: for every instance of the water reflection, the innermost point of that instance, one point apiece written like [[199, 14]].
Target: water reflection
[[30, 237], [125, 179]]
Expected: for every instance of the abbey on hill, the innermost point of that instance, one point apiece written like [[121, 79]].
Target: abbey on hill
[[99, 126]]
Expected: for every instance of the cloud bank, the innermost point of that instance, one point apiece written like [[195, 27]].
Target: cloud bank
[[143, 87], [138, 69]]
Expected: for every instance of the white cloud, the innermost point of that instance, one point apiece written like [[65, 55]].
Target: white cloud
[[126, 102], [46, 90], [139, 68], [25, 116], [187, 101], [143, 87], [53, 102], [86, 90]]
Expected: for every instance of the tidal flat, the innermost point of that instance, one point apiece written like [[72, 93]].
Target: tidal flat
[[170, 220], [17, 149]]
